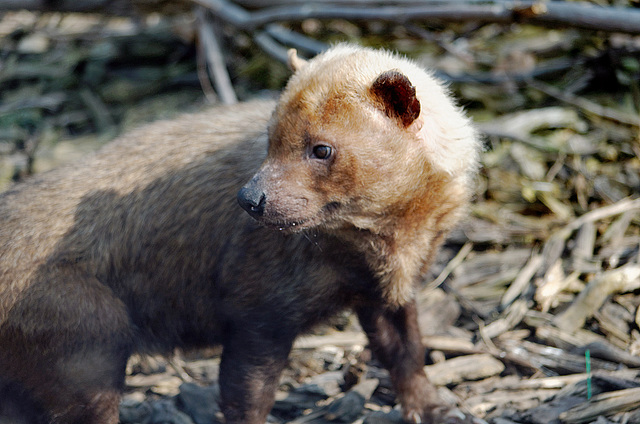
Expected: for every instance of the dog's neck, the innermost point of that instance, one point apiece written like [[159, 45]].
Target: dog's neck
[[399, 246]]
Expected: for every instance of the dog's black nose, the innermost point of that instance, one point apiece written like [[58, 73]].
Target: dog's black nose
[[252, 199]]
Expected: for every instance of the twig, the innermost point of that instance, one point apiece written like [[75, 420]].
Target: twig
[[586, 105], [50, 101], [465, 56], [602, 405], [577, 15], [520, 125], [275, 32], [256, 4], [217, 66], [547, 67], [464, 368], [619, 280], [556, 13], [448, 269], [65, 6], [522, 280], [293, 39], [555, 244], [100, 113], [271, 47], [605, 212], [512, 316], [203, 76]]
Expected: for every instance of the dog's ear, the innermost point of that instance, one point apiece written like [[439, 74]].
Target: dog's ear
[[295, 62], [397, 96]]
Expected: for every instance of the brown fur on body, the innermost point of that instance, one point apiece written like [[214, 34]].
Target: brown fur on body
[[143, 248]]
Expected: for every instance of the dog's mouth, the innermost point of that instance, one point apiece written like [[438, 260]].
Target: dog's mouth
[[285, 226], [299, 224]]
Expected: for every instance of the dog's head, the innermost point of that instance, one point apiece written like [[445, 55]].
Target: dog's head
[[357, 136]]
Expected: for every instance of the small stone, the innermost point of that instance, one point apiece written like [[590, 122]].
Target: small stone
[[165, 412], [380, 417], [200, 403], [133, 411], [34, 44]]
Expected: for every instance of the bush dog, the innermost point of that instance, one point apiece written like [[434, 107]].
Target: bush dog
[[350, 182]]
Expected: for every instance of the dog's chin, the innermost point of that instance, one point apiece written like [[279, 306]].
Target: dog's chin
[[288, 226]]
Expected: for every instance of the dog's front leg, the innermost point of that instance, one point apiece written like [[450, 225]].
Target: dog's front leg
[[395, 340], [249, 374]]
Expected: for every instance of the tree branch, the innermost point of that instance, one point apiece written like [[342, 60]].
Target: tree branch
[[586, 104], [579, 15], [115, 7], [554, 13], [215, 59]]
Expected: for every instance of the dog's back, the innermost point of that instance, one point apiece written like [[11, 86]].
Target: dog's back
[[120, 250]]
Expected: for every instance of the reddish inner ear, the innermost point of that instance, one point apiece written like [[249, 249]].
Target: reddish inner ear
[[397, 96]]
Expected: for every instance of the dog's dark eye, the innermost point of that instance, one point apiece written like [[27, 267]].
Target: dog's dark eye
[[322, 152]]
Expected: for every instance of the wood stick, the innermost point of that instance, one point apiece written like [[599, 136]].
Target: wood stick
[[577, 15], [553, 14], [293, 39], [587, 105], [522, 280], [448, 269], [555, 244], [602, 405], [271, 47], [215, 59], [470, 367], [511, 317], [620, 280]]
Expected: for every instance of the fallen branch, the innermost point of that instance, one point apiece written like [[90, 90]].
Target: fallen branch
[[578, 15], [448, 269], [555, 244], [603, 405], [275, 37], [511, 317], [587, 105], [464, 368], [620, 280], [557, 13], [215, 60], [271, 46], [115, 7], [521, 282], [293, 39]]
